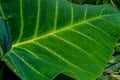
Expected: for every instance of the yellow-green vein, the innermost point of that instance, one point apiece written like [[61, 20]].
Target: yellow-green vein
[[22, 48], [85, 14], [60, 30], [13, 66], [89, 39], [77, 47], [63, 59], [72, 14], [92, 25], [32, 68], [56, 15], [22, 21], [37, 20], [102, 10]]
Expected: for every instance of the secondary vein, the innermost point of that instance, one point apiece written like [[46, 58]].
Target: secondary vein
[[22, 21]]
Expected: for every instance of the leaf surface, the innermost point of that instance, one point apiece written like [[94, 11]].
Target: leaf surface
[[55, 36], [5, 38]]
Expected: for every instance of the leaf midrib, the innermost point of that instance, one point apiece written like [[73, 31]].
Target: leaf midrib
[[60, 30]]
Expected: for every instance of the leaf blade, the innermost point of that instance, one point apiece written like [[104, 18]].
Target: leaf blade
[[60, 47]]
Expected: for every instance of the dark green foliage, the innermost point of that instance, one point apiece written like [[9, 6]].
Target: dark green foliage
[[18, 59], [5, 38], [114, 3]]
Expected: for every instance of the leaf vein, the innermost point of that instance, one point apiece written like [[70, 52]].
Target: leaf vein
[[72, 14], [90, 38], [27, 50], [77, 47], [60, 30], [85, 14], [56, 14], [63, 59], [92, 25], [37, 20], [22, 21], [32, 68], [102, 10]]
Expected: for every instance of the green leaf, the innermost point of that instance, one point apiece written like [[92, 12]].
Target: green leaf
[[5, 39], [55, 36]]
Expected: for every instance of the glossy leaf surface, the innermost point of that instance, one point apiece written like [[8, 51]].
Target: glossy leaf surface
[[55, 36], [5, 38]]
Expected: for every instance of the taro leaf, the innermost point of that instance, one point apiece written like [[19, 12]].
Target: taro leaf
[[5, 38], [56, 36]]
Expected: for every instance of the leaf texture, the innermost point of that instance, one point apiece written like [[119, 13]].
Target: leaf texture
[[5, 38], [55, 36]]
